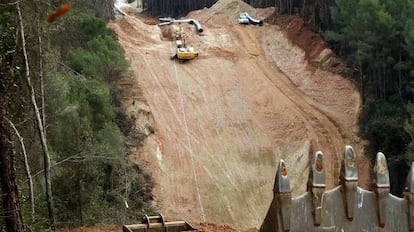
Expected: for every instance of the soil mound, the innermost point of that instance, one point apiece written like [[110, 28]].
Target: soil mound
[[136, 30], [227, 12], [230, 7], [169, 32]]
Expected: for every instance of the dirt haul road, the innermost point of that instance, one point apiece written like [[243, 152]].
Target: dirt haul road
[[217, 126]]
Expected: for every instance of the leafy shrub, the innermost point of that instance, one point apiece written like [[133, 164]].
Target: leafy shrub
[[103, 58]]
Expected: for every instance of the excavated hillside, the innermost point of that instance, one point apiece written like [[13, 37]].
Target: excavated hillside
[[213, 129]]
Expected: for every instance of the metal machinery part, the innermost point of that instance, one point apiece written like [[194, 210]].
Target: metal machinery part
[[158, 224], [245, 18], [344, 208], [169, 20]]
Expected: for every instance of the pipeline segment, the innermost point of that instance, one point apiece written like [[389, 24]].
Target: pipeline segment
[[169, 20], [120, 10], [197, 24], [245, 18]]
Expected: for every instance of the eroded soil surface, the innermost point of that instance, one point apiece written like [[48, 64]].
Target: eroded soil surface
[[215, 128]]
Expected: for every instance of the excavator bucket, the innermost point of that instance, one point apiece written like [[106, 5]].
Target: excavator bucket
[[158, 224], [345, 208]]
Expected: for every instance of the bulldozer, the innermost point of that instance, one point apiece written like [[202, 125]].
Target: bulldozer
[[183, 52]]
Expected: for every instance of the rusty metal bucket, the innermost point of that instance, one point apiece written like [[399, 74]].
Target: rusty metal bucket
[[158, 224]]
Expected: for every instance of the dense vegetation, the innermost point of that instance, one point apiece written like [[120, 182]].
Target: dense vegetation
[[181, 7], [73, 65], [174, 7], [375, 38]]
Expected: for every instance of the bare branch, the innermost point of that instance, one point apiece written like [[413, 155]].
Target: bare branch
[[77, 158], [46, 156], [26, 164], [10, 3]]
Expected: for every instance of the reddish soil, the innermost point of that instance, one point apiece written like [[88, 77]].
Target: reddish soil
[[217, 126], [110, 228], [300, 34], [315, 48], [203, 226], [211, 227]]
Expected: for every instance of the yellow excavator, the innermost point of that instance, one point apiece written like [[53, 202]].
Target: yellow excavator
[[184, 52]]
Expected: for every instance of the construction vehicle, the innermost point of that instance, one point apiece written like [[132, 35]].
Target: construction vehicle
[[158, 224], [184, 52]]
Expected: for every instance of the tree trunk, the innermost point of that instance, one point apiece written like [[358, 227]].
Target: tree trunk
[[46, 156], [10, 198], [361, 76], [304, 11], [26, 164], [42, 87], [11, 204]]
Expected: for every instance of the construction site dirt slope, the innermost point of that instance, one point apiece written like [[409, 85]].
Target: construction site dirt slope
[[216, 127]]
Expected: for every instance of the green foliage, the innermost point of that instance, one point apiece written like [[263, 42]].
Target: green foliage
[[91, 47], [101, 8], [7, 40], [7, 44], [90, 183], [382, 123], [174, 8], [409, 126], [95, 179], [409, 37], [86, 104], [77, 28], [361, 28], [375, 38], [95, 191], [90, 26], [92, 177], [104, 57]]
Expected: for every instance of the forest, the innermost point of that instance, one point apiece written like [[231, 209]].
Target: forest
[[375, 38], [182, 7], [63, 155], [59, 105]]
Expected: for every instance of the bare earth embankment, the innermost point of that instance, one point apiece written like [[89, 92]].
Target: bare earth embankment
[[217, 126]]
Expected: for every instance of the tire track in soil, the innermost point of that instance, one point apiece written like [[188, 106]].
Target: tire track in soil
[[325, 130], [321, 124]]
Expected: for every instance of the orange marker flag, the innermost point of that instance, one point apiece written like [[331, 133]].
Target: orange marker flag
[[59, 11]]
